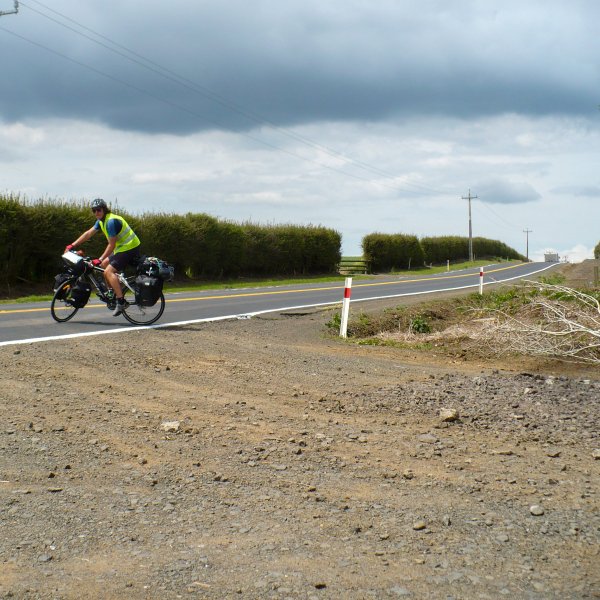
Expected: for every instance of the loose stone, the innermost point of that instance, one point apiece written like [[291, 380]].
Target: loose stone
[[170, 426], [448, 415]]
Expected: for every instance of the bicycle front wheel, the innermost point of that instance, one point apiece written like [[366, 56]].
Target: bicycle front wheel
[[61, 307], [143, 315]]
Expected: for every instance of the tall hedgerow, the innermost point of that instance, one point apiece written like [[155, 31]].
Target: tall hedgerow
[[392, 251], [34, 234], [442, 248], [486, 248], [290, 249], [456, 248], [13, 238]]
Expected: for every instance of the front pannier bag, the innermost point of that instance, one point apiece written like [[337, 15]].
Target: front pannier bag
[[80, 294], [58, 281]]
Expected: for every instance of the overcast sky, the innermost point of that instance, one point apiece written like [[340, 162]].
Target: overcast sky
[[360, 115]]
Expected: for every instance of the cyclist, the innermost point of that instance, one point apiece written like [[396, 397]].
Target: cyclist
[[122, 248]]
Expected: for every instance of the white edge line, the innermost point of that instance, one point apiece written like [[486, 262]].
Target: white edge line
[[251, 314]]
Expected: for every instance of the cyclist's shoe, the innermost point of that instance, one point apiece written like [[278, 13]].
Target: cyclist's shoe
[[120, 308]]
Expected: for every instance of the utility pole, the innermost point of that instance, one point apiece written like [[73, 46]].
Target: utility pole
[[11, 12], [469, 198], [527, 232]]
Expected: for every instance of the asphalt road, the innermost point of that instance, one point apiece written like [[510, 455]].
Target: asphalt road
[[29, 323]]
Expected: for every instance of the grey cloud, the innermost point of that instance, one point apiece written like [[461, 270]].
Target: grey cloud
[[298, 62], [581, 191], [497, 191]]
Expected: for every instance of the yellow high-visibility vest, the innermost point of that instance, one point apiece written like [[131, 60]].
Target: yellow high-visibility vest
[[126, 238]]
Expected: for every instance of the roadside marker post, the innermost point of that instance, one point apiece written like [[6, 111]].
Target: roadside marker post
[[481, 281], [346, 307]]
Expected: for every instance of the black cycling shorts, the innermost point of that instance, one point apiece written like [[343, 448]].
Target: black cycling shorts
[[121, 259]]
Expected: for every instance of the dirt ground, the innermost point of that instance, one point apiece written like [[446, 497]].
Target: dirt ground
[[262, 458]]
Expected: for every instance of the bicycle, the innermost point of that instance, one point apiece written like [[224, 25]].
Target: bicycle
[[74, 287]]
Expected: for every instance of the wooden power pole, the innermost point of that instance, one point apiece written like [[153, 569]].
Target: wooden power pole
[[527, 232], [469, 198]]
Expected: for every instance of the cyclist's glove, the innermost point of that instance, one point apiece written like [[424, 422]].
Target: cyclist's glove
[[96, 262]]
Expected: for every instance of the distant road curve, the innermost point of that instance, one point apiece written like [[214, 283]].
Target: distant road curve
[[32, 323]]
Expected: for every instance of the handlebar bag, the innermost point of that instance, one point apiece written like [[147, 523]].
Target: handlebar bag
[[81, 294], [74, 263], [148, 290]]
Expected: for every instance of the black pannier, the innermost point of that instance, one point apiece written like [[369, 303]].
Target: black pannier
[[155, 267], [149, 290], [80, 294], [58, 281]]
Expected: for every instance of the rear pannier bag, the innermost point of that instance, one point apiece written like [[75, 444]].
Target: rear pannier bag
[[80, 294], [155, 267], [149, 290]]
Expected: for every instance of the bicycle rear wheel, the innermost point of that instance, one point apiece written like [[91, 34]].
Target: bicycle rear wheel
[[143, 315], [61, 307]]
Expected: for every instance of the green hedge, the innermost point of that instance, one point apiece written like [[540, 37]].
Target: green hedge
[[485, 248], [450, 247], [456, 248], [290, 250], [387, 252], [597, 250], [34, 234]]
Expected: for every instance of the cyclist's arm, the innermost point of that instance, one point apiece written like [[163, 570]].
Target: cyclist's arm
[[112, 242], [84, 237]]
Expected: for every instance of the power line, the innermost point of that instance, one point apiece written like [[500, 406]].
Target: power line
[[508, 224], [195, 114], [173, 76]]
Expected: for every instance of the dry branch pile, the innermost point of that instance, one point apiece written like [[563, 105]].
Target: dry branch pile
[[558, 321]]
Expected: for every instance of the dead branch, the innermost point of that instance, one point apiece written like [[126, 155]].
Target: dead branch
[[558, 321]]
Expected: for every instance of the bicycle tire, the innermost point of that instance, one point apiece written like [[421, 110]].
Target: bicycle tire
[[61, 302], [143, 315]]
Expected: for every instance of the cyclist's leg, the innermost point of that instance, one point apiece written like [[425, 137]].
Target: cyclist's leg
[[111, 275], [118, 262]]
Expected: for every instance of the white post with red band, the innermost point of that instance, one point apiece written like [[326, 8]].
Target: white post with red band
[[480, 281], [346, 307]]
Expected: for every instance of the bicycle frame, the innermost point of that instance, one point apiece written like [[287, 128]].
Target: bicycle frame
[[122, 280]]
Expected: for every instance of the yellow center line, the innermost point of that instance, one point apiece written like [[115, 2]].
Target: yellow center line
[[321, 289], [278, 292]]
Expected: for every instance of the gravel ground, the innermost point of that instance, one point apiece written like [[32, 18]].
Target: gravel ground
[[262, 459]]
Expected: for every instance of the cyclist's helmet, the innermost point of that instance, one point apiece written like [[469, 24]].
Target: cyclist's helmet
[[99, 203]]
